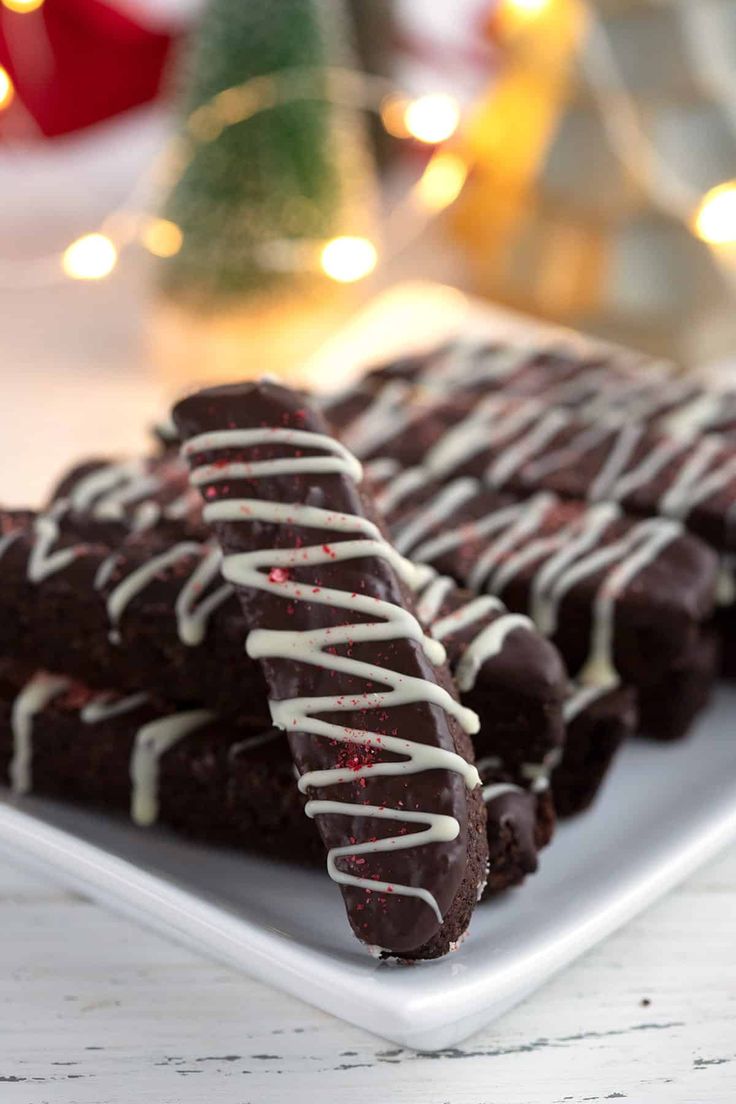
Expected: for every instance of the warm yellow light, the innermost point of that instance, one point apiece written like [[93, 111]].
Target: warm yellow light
[[393, 115], [528, 9], [22, 6], [715, 218], [6, 89], [162, 237], [347, 259], [432, 118], [442, 181], [91, 257]]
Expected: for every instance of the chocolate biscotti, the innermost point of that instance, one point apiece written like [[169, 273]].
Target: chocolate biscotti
[[148, 614], [623, 599], [381, 744], [593, 380], [216, 780]]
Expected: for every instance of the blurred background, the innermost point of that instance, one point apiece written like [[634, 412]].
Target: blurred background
[[209, 187]]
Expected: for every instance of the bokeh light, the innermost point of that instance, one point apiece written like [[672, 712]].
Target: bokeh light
[[7, 92], [162, 237], [433, 118], [91, 257], [442, 180], [347, 259], [715, 218], [22, 6]]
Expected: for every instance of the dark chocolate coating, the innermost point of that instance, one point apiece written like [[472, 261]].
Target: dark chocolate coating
[[668, 707], [134, 501], [658, 616], [213, 786], [575, 472], [62, 624], [585, 380], [451, 871], [593, 738], [225, 783]]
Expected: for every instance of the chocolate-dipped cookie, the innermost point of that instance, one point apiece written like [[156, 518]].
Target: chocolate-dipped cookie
[[381, 745]]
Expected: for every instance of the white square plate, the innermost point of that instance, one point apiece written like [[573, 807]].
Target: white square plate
[[664, 810]]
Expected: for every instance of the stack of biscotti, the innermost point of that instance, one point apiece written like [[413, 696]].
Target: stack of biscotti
[[537, 504], [625, 601], [87, 604], [589, 378], [154, 573], [126, 604]]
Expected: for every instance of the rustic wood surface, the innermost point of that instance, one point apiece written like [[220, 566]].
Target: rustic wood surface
[[95, 1010]]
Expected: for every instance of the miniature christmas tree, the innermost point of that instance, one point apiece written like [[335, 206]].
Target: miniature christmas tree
[[268, 167]]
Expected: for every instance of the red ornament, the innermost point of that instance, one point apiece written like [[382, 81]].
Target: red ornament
[[76, 62]]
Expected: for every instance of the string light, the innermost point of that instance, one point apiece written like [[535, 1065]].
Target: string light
[[393, 115], [631, 143], [347, 259], [22, 6], [527, 9], [442, 180], [433, 118], [715, 218], [7, 92], [162, 237], [91, 257]]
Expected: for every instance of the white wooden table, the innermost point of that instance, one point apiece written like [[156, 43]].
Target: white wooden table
[[94, 1010]]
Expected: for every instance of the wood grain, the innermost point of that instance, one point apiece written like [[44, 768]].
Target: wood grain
[[94, 1010]]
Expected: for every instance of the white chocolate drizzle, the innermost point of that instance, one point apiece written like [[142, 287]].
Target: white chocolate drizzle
[[491, 422], [394, 492], [429, 600], [561, 570], [105, 492], [381, 470], [676, 501], [192, 611], [104, 707], [566, 557], [387, 415], [649, 468], [528, 445], [580, 698], [538, 774], [151, 743], [449, 499], [580, 445], [485, 646], [495, 790], [90, 488], [42, 562], [469, 530], [618, 457], [517, 432], [388, 622], [33, 698], [488, 643], [642, 547], [526, 522]]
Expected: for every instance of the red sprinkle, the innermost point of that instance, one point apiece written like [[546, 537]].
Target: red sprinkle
[[278, 575]]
